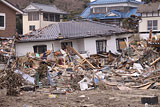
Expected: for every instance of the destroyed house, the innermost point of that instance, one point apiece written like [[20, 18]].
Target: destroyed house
[[150, 14], [83, 36], [37, 16], [110, 11], [8, 18]]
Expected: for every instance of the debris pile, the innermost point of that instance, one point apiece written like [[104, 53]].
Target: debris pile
[[136, 67], [6, 49]]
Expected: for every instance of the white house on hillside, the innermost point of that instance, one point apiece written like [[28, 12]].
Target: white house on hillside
[[83, 36], [150, 19], [37, 16]]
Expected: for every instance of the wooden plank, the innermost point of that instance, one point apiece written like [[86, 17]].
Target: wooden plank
[[155, 61], [150, 35], [143, 85], [146, 87], [77, 53]]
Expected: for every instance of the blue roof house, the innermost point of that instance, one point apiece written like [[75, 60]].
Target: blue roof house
[[110, 11]]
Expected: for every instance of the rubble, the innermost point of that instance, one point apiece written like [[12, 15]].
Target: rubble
[[136, 67]]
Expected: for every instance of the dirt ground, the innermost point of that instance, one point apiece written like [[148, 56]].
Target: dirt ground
[[92, 98]]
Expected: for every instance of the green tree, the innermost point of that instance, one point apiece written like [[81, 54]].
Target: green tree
[[131, 23]]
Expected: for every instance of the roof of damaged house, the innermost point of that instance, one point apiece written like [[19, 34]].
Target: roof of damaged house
[[146, 8], [43, 8], [71, 30], [12, 6]]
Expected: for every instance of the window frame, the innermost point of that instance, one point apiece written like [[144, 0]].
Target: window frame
[[99, 10], [33, 16], [104, 48], [36, 48], [4, 27], [152, 26], [33, 26]]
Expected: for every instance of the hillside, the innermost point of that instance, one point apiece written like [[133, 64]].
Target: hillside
[[71, 6]]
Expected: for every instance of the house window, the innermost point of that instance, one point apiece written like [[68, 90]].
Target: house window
[[101, 46], [40, 49], [33, 16], [2, 21], [57, 18], [32, 27], [51, 17], [152, 24], [100, 10], [121, 44], [64, 44]]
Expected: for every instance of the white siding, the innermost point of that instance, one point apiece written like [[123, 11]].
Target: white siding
[[86, 44], [143, 23]]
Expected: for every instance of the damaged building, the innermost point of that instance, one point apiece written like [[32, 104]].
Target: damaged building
[[84, 36]]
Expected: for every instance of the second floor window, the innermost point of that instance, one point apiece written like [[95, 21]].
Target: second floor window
[[51, 17], [101, 10], [152, 24], [33, 16]]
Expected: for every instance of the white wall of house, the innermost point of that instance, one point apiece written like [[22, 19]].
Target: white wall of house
[[143, 23], [38, 24], [23, 48], [86, 44], [27, 23], [146, 36]]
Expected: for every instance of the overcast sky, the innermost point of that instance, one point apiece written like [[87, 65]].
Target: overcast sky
[[94, 0]]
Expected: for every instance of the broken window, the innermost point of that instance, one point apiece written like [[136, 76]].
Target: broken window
[[64, 44], [152, 24], [32, 27], [101, 46], [40, 49], [101, 10], [33, 16], [2, 21], [121, 44]]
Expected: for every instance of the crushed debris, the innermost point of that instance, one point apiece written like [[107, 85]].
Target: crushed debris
[[136, 67]]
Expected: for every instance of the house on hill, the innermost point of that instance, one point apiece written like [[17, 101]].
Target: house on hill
[[8, 18], [83, 36], [40, 15], [150, 14], [110, 11]]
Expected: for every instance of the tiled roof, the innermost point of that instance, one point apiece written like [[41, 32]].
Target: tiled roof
[[46, 8], [132, 11], [73, 29], [112, 1], [151, 7]]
